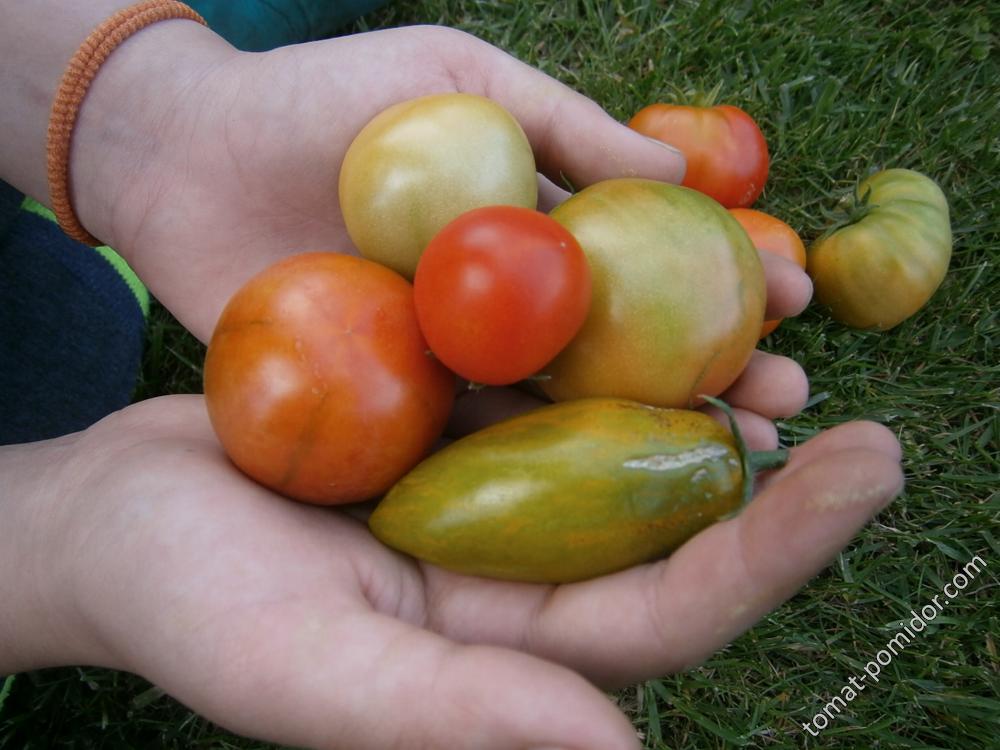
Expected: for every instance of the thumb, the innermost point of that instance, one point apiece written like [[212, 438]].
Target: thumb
[[372, 681], [572, 136]]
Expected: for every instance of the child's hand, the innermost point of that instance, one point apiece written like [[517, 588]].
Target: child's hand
[[140, 547]]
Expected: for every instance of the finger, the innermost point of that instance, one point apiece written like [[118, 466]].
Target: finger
[[789, 287], [664, 617], [550, 195], [770, 385], [861, 435], [681, 610], [440, 694], [759, 433], [573, 136]]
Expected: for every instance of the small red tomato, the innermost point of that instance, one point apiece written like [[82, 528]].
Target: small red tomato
[[726, 153], [317, 379], [772, 234], [500, 291]]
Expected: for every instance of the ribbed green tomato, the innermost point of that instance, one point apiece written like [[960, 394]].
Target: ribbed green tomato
[[678, 295], [566, 492], [891, 256], [421, 163]]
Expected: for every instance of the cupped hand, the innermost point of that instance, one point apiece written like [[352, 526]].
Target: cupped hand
[[249, 150], [292, 623]]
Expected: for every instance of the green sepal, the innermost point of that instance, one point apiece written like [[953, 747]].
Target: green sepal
[[750, 461]]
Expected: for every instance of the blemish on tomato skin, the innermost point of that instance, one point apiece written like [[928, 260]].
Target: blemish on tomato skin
[[673, 461]]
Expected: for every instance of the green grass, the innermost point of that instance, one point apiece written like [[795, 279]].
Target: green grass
[[839, 89]]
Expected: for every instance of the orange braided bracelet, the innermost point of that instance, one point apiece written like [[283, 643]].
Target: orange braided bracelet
[[73, 88]]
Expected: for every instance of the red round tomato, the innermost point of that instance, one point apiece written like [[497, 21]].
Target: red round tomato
[[318, 382], [772, 234], [726, 153], [500, 291]]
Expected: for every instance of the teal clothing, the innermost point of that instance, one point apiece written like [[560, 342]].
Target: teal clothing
[[258, 25]]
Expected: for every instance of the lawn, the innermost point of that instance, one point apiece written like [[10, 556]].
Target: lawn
[[839, 89]]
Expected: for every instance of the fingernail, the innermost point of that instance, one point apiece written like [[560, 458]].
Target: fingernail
[[667, 146]]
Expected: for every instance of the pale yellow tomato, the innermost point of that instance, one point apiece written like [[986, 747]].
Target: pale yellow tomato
[[421, 163]]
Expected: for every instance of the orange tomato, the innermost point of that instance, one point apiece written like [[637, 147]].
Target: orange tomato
[[771, 234], [317, 379]]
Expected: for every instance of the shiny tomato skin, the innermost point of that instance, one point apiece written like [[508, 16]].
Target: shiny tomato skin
[[500, 291], [775, 236], [880, 269], [421, 163], [726, 153], [678, 296], [317, 380]]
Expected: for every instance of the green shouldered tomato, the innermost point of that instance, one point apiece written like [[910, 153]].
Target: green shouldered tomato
[[421, 163], [567, 492], [890, 255], [678, 296]]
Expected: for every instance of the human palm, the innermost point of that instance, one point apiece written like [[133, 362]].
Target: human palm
[[292, 623]]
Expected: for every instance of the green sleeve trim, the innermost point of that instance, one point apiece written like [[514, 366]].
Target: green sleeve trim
[[116, 261]]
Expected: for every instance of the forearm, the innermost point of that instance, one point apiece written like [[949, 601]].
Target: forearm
[[38, 39], [120, 126]]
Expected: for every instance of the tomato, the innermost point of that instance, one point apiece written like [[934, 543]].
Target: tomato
[[726, 153], [775, 236], [678, 295], [890, 255], [421, 163], [500, 291], [565, 492], [317, 379]]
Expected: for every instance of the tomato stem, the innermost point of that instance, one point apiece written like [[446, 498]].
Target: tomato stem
[[853, 208], [707, 98], [695, 97], [768, 460], [750, 461]]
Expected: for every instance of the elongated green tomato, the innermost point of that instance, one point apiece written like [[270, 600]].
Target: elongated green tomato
[[889, 256], [678, 296], [567, 492], [421, 163]]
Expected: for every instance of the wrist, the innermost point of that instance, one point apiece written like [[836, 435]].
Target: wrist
[[131, 130], [39, 623]]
